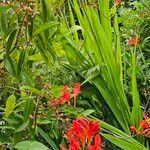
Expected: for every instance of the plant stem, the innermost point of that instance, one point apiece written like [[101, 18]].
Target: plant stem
[[74, 101]]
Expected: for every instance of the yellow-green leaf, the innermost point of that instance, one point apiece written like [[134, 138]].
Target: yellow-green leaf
[[10, 105]]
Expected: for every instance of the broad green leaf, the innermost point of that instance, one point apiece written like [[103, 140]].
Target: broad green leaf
[[10, 41], [13, 119], [29, 106], [47, 138], [87, 112], [36, 57], [20, 63], [73, 55], [9, 65], [22, 127], [10, 105], [28, 145], [3, 20]]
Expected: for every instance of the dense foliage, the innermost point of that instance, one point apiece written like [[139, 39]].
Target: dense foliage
[[74, 73]]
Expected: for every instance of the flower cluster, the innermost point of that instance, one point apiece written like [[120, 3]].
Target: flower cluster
[[144, 127], [66, 95], [118, 2], [83, 134], [133, 41]]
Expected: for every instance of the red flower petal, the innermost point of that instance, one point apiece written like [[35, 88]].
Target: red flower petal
[[91, 147], [93, 129], [55, 102], [133, 129], [66, 96], [76, 89], [144, 124], [133, 41], [97, 143], [74, 144], [98, 140], [65, 88]]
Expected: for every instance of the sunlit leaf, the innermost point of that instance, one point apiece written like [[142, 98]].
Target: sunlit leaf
[[10, 105]]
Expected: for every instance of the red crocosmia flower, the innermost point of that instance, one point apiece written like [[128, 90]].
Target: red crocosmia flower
[[144, 124], [65, 88], [79, 131], [82, 132], [133, 129], [55, 102], [98, 140], [133, 41], [76, 89], [65, 97], [74, 144], [97, 143], [144, 127], [93, 129], [118, 2]]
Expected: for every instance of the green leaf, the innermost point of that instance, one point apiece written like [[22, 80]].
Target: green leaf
[[2, 109], [20, 62], [136, 111], [73, 30], [31, 89], [124, 143], [27, 145], [3, 20], [4, 139], [9, 65], [36, 57], [45, 26], [22, 127], [43, 121], [87, 112], [47, 138], [10, 105], [30, 27], [44, 10], [13, 119], [10, 41], [29, 106], [7, 127]]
